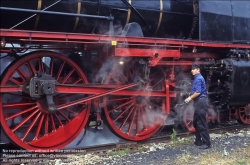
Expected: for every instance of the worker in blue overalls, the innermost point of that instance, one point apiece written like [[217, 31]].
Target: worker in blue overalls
[[199, 96]]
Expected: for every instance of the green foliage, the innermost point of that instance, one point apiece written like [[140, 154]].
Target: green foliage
[[127, 150], [177, 142], [173, 135], [140, 149], [120, 152]]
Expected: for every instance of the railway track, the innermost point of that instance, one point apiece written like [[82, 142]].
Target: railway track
[[25, 157]]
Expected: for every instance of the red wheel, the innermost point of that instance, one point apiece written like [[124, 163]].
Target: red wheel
[[244, 114], [188, 114], [26, 120], [135, 117]]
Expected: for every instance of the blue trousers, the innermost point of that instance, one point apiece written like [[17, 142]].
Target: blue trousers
[[200, 122]]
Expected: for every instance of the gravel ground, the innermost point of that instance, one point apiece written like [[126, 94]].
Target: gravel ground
[[227, 148]]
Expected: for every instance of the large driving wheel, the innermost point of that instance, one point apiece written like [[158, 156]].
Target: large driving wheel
[[244, 114], [188, 113], [26, 120], [135, 117]]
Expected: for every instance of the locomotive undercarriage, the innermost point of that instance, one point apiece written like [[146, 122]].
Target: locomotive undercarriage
[[134, 89]]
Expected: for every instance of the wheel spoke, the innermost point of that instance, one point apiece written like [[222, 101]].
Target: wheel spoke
[[143, 119], [22, 112], [116, 80], [123, 123], [129, 106], [22, 74], [157, 83], [15, 81], [67, 77], [25, 97], [63, 115], [61, 125], [53, 123], [132, 121], [39, 127], [32, 68], [60, 71], [67, 109], [41, 68], [17, 105], [77, 81], [153, 76], [31, 125], [120, 99], [148, 116], [24, 121], [244, 118], [138, 121], [123, 78], [120, 106], [46, 125], [129, 72]]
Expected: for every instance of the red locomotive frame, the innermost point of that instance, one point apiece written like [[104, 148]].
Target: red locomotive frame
[[54, 129]]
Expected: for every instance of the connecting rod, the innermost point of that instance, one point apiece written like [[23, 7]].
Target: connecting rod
[[94, 96]]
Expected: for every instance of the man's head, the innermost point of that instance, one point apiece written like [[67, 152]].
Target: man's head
[[195, 69]]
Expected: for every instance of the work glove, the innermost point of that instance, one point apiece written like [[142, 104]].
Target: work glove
[[187, 100]]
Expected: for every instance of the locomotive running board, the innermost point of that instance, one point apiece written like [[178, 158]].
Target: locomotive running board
[[38, 36]]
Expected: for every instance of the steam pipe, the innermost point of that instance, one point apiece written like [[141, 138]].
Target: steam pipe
[[110, 18], [34, 15]]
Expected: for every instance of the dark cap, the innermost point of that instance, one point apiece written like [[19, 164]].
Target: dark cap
[[196, 66]]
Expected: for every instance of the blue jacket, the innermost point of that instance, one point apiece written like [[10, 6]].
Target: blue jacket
[[199, 86]]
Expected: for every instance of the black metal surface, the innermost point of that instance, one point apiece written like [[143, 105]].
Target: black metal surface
[[229, 84], [241, 21], [240, 85], [224, 21], [177, 16]]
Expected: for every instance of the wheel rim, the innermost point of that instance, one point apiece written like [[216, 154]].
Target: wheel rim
[[189, 113], [188, 117], [134, 117], [26, 120], [244, 114]]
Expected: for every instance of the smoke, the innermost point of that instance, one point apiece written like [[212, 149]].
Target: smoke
[[156, 116], [111, 67]]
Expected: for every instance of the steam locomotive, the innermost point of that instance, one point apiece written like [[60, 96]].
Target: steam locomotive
[[65, 64]]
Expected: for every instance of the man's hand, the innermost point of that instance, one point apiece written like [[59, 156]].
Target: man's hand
[[187, 100]]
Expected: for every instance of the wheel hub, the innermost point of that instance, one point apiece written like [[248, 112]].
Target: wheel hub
[[42, 85], [43, 105], [140, 100]]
